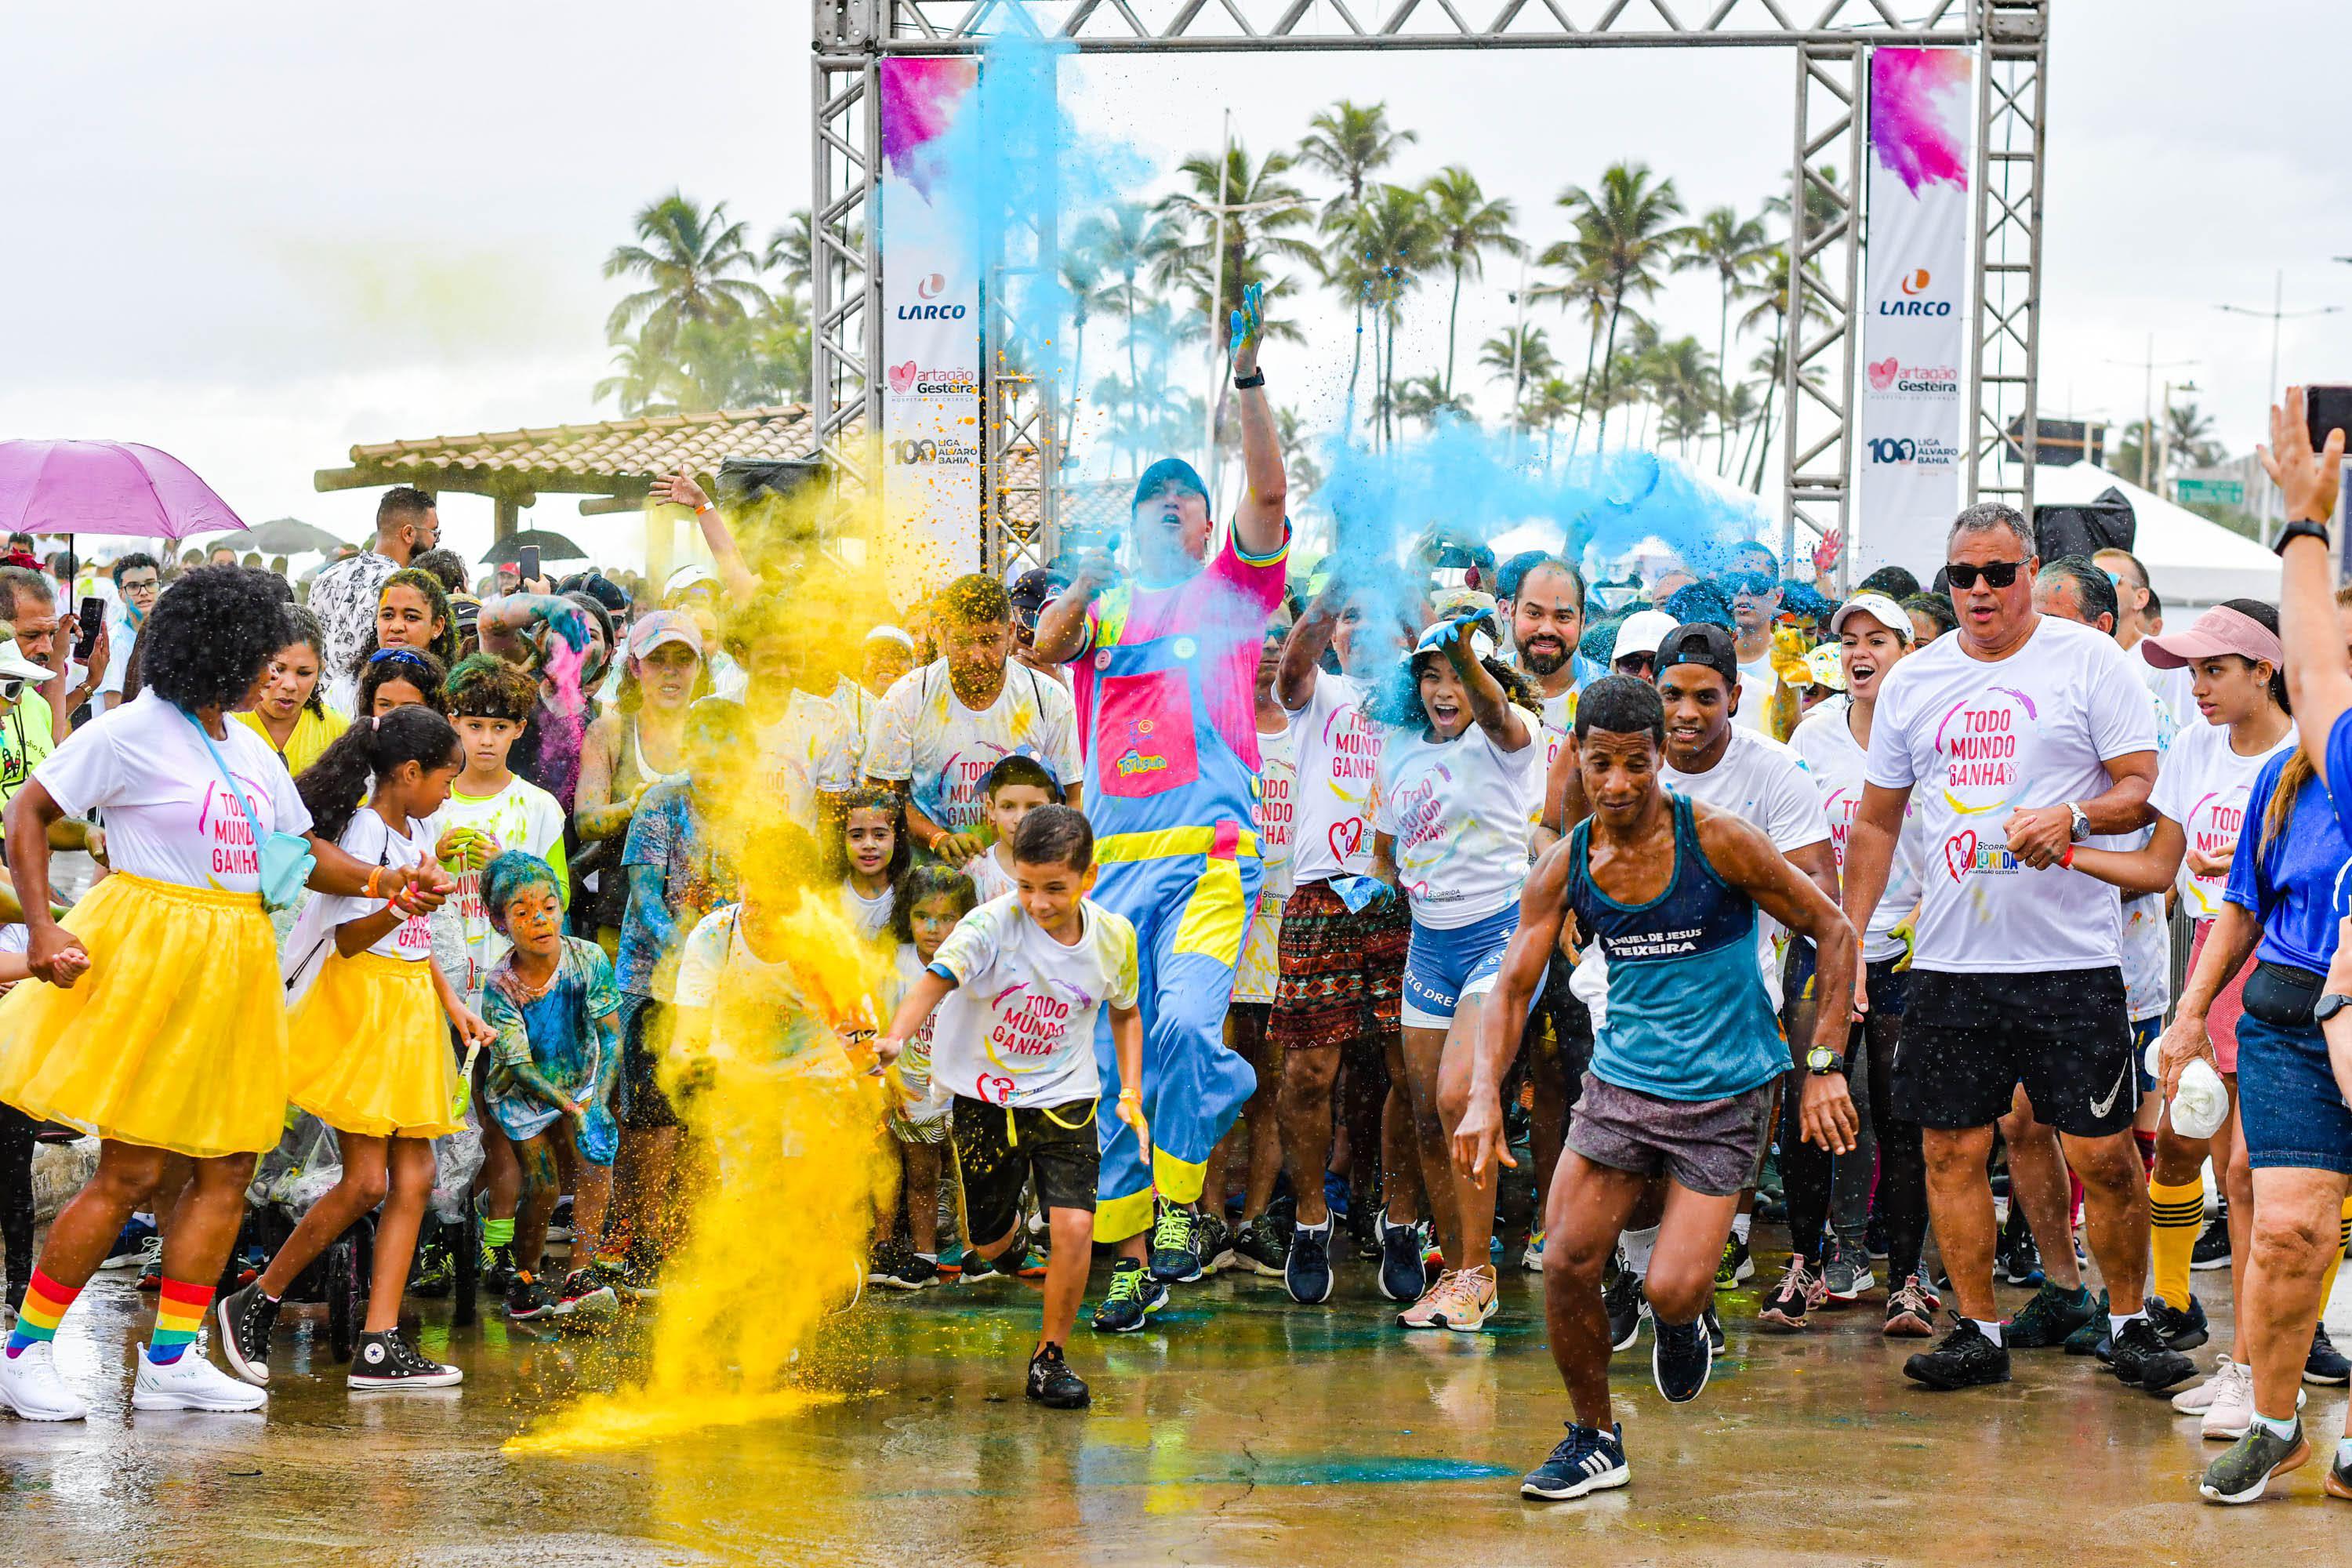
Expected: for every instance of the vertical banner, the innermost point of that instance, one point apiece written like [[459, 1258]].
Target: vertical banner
[[930, 527], [1914, 304]]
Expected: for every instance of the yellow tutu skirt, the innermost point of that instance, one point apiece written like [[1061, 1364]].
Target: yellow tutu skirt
[[175, 1038], [369, 1050]]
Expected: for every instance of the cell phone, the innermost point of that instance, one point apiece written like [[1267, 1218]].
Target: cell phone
[[93, 620], [527, 561], [2327, 408]]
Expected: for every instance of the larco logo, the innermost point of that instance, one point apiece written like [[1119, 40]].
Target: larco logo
[[955, 313], [932, 287], [1914, 283]]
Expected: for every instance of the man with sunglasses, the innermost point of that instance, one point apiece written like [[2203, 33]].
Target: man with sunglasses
[[2022, 735], [1754, 580]]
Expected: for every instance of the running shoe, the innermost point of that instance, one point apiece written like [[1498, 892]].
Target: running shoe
[[191, 1383], [1360, 1223], [1176, 1246], [1735, 1263], [30, 1386], [150, 1273], [1799, 1291], [2050, 1317], [1621, 1298], [1213, 1241], [2200, 1398], [588, 1295], [1401, 1277], [1910, 1311], [135, 1245], [1466, 1311], [1134, 1295], [1258, 1246], [2021, 1255], [1713, 1320], [1053, 1384], [887, 1256], [245, 1319], [2240, 1475], [1965, 1360], [2182, 1330], [1873, 1236], [2326, 1365], [1681, 1357], [1531, 1259], [1423, 1313], [2212, 1248], [1847, 1274], [1587, 1460], [2142, 1359], [497, 1267], [527, 1299], [2230, 1410], [436, 1272], [907, 1271], [387, 1360], [1306, 1272], [2340, 1476]]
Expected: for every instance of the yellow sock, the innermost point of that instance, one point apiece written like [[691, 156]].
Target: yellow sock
[[2174, 1215], [2344, 1239]]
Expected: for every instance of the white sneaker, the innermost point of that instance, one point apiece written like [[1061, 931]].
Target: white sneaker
[[2232, 1412], [2197, 1398], [29, 1385], [191, 1383]]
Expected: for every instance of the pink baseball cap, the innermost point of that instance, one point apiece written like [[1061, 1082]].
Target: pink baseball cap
[[2218, 631], [664, 626]]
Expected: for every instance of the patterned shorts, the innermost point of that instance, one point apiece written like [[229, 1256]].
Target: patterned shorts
[[1342, 970]]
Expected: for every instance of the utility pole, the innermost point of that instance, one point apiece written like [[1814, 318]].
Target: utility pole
[[2148, 366], [1217, 312], [2277, 314], [1518, 345]]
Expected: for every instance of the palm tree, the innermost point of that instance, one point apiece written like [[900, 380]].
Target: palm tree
[[1351, 142], [1582, 286], [1521, 354], [790, 253], [697, 266], [1299, 464], [1729, 244], [1123, 241], [1425, 398], [1468, 225], [1771, 292], [1393, 247], [1081, 286], [1627, 227], [1554, 401], [1683, 381], [2189, 436], [1261, 209]]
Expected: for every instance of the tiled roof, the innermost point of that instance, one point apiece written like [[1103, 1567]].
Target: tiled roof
[[607, 455]]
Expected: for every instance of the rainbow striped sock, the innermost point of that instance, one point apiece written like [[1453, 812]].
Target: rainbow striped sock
[[45, 1301], [178, 1315]]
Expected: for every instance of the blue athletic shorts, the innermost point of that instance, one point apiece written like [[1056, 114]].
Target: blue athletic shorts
[[2291, 1113], [1442, 967]]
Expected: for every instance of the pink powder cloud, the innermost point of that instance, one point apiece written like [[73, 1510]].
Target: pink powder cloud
[[1920, 115]]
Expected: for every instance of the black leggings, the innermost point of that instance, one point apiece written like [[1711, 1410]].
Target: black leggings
[[17, 1199], [1809, 1175]]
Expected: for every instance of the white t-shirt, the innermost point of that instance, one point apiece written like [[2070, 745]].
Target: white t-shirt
[[2173, 689], [121, 636], [1763, 783], [1275, 814], [519, 816], [870, 916], [922, 734], [1019, 1028], [991, 877], [2202, 784], [168, 816], [1824, 744], [1559, 720], [810, 747], [1335, 749], [759, 1014], [372, 842], [1986, 738], [1759, 683], [1460, 812]]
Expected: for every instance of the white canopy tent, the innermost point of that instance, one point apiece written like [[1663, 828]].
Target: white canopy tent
[[2192, 564]]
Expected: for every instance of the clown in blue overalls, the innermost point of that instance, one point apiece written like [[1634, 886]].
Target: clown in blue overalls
[[1166, 667]]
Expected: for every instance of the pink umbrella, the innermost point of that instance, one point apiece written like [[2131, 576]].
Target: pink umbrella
[[105, 487]]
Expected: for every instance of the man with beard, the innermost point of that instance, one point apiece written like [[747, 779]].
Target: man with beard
[[1545, 613]]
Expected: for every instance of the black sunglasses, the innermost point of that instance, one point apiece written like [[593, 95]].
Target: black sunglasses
[[1996, 574]]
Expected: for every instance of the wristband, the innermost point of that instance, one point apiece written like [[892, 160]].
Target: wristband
[[1244, 383], [706, 505], [373, 873], [2067, 859], [1134, 1094], [2301, 528]]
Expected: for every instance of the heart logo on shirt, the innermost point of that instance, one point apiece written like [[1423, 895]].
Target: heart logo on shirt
[[1352, 831], [1959, 852]]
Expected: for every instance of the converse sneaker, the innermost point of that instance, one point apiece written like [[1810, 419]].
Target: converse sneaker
[[386, 1360], [245, 1319], [191, 1383], [30, 1386]]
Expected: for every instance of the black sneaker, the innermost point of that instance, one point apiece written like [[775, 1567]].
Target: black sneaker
[[2143, 1360], [1799, 1291], [1586, 1460], [1259, 1247], [2326, 1365], [1361, 1226], [388, 1361], [2241, 1474], [1175, 1246], [2021, 1256], [1134, 1295], [1873, 1237], [588, 1295], [1622, 1298], [245, 1319], [1306, 1272], [436, 1272], [2182, 1329], [1053, 1384], [1401, 1272], [1965, 1360], [528, 1300], [1212, 1241], [1681, 1356], [2212, 1248], [908, 1272], [1734, 1265], [1713, 1322], [2047, 1320], [497, 1267]]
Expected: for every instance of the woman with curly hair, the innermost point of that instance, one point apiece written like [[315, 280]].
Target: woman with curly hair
[[286, 707], [175, 1039], [1458, 785], [401, 678], [411, 611]]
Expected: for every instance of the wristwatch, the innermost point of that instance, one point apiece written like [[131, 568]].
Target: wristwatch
[[2301, 528], [2081, 821], [1822, 1059], [1244, 383], [2330, 1002]]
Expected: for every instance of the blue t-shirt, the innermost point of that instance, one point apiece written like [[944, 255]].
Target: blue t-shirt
[[2297, 889], [568, 1033], [694, 879]]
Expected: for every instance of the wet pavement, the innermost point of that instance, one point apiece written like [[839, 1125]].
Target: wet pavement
[[1238, 1428]]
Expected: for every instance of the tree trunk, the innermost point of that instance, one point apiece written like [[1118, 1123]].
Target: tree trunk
[[1722, 382], [1134, 379], [1355, 365], [1608, 363], [1452, 317], [1584, 387]]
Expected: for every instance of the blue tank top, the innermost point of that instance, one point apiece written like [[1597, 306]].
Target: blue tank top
[[1688, 1017]]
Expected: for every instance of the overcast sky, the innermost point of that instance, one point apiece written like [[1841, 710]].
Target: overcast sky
[[257, 236]]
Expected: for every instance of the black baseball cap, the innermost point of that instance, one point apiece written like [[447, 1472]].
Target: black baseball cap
[[1701, 643], [1034, 588]]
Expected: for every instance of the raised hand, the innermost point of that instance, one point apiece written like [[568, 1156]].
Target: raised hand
[[1247, 327]]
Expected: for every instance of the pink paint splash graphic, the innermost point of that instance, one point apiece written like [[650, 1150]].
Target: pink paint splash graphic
[[919, 99], [1919, 115]]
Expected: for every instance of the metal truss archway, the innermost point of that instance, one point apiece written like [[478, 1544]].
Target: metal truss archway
[[1830, 38]]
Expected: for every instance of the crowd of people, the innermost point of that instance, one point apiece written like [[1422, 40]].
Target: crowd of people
[[1230, 924]]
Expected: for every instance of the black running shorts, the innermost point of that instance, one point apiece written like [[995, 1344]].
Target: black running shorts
[[645, 1036], [1968, 1040], [999, 1149]]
